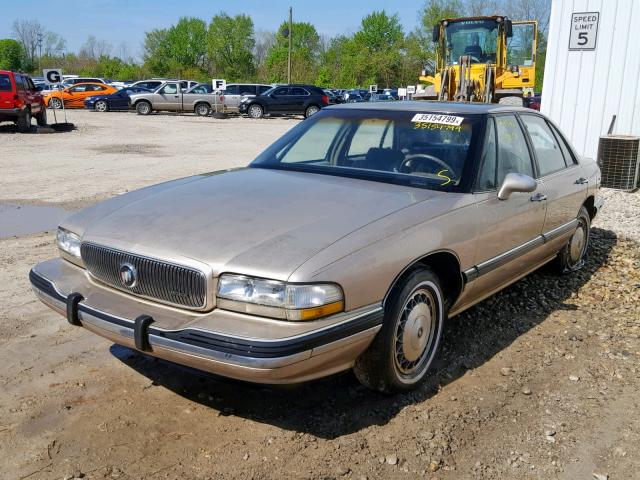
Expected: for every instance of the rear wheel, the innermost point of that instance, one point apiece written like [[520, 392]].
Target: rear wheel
[[255, 111], [311, 110], [102, 106], [402, 352], [572, 255], [41, 117], [143, 108], [24, 121], [55, 103], [202, 109]]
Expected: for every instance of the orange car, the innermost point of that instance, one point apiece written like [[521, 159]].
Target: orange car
[[74, 96]]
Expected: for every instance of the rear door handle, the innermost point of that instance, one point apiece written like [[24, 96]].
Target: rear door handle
[[539, 197], [581, 181]]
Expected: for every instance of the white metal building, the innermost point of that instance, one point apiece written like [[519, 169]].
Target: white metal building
[[592, 70]]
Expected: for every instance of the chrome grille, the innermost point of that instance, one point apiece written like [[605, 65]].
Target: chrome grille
[[157, 280]]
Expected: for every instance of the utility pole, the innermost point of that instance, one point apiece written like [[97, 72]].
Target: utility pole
[[290, 34], [40, 51]]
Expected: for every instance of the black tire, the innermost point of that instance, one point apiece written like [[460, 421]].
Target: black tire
[[55, 103], [101, 106], [414, 316], [202, 109], [311, 110], [41, 118], [143, 108], [572, 255], [24, 121], [255, 111]]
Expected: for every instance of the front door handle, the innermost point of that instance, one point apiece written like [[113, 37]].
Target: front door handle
[[581, 181], [539, 197]]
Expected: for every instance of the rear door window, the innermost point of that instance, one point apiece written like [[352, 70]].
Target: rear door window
[[548, 152], [247, 89]]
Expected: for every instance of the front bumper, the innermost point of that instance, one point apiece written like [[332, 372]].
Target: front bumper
[[330, 348]]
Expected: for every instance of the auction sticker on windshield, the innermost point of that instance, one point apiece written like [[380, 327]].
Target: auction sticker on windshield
[[437, 118]]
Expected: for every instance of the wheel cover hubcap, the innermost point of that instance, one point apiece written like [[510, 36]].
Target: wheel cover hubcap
[[577, 244], [415, 332], [255, 111]]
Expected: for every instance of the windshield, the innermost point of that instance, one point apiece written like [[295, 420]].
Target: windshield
[[475, 38], [430, 150]]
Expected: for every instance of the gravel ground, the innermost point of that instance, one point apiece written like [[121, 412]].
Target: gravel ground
[[540, 381]]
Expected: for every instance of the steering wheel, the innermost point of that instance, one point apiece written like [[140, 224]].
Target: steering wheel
[[404, 165]]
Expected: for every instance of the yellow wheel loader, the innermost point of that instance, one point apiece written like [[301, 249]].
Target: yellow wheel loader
[[482, 59]]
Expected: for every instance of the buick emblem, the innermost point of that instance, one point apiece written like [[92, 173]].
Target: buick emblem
[[128, 275]]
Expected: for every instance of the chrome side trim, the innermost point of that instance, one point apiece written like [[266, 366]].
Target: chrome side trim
[[559, 231], [499, 260], [489, 265]]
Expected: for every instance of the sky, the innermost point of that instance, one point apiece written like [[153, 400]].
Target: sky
[[125, 21]]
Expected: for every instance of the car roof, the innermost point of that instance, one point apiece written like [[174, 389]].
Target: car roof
[[430, 106], [92, 83]]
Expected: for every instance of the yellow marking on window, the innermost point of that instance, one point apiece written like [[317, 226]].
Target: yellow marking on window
[[440, 175]]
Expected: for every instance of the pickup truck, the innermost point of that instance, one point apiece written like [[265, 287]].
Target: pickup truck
[[168, 97]]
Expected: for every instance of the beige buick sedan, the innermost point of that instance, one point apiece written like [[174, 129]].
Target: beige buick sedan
[[346, 244]]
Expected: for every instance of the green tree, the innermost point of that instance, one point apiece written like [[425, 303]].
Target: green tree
[[230, 45], [381, 41], [11, 54], [177, 49], [305, 49]]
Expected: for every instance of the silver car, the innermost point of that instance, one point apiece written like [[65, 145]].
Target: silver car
[[169, 97], [345, 244], [235, 92]]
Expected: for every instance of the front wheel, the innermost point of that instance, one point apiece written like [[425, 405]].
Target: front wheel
[[102, 106], [572, 255], [55, 103], [312, 110], [256, 111], [143, 108], [202, 109], [402, 352]]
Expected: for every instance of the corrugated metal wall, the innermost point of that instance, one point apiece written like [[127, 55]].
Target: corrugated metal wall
[[584, 89]]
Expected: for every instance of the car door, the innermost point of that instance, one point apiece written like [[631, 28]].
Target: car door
[[168, 97], [75, 96], [279, 100], [509, 231], [566, 187], [120, 99], [232, 96], [298, 99]]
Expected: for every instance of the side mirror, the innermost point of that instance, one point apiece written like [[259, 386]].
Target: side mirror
[[516, 182], [436, 33], [508, 28]]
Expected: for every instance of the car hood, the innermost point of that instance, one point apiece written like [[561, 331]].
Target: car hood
[[254, 221]]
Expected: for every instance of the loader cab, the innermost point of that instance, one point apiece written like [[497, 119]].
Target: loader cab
[[480, 38]]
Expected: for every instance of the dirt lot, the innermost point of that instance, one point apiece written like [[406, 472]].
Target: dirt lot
[[540, 381]]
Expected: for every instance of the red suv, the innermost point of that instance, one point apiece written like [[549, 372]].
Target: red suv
[[19, 101]]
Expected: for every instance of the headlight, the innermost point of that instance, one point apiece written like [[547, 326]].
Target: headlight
[[68, 242], [272, 298]]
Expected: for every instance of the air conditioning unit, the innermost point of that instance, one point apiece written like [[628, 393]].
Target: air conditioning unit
[[619, 162]]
